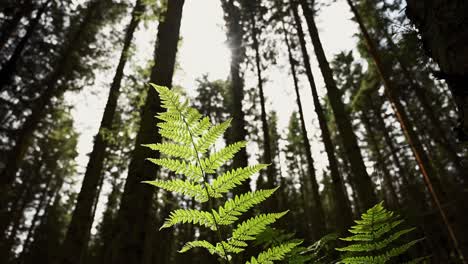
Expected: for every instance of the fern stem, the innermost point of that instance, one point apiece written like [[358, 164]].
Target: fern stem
[[205, 182]]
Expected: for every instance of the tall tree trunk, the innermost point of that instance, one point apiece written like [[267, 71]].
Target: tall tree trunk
[[345, 218], [365, 190], [8, 69], [439, 135], [76, 239], [53, 89], [267, 159], [133, 226], [388, 188], [236, 87], [422, 159]]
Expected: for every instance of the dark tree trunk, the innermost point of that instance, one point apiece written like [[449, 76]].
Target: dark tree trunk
[[341, 204], [267, 159], [76, 239], [443, 26], [133, 226], [360, 177], [387, 188], [422, 159], [237, 131]]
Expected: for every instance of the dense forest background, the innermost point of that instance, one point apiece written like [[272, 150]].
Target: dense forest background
[[378, 117]]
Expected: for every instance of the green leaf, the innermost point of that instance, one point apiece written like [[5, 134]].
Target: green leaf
[[201, 218], [233, 208], [210, 137], [233, 178], [272, 254], [191, 171], [183, 187], [173, 150], [250, 228], [217, 159]]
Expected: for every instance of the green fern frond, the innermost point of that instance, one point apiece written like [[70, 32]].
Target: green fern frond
[[213, 134], [250, 228], [198, 243], [173, 150], [233, 208], [189, 137], [217, 159], [201, 218], [191, 171], [274, 253], [377, 238], [183, 187], [230, 179]]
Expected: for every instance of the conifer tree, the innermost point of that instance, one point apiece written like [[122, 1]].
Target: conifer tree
[[360, 177], [131, 234], [75, 244]]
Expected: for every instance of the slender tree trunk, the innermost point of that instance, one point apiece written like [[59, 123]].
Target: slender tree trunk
[[267, 159], [340, 200], [439, 135], [388, 188], [360, 177], [76, 240], [380, 124], [236, 87], [424, 164], [25, 134], [318, 222], [8, 69], [133, 228]]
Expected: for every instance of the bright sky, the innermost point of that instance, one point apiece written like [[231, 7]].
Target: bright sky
[[203, 51]]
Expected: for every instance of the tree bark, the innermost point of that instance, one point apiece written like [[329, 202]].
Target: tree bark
[[76, 239], [360, 177], [133, 226], [422, 159]]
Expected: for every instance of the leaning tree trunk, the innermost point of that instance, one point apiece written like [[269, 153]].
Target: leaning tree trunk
[[439, 135], [416, 145], [443, 26], [341, 205], [76, 239], [267, 159], [133, 227], [360, 177]]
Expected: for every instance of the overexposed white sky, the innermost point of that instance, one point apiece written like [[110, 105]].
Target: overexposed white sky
[[203, 50]]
